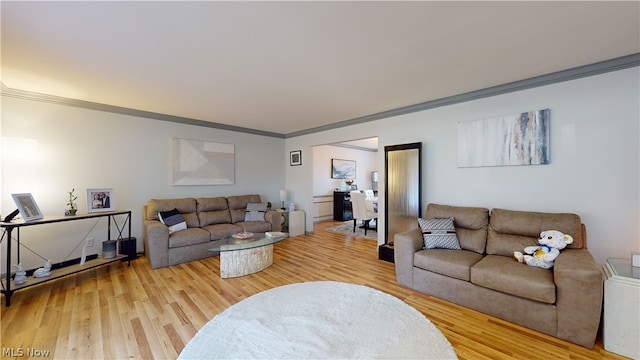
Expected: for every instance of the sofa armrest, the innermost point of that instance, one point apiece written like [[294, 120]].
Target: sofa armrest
[[406, 244], [275, 219], [155, 236], [579, 284]]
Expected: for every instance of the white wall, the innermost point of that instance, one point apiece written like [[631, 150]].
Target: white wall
[[80, 148], [323, 184], [595, 157]]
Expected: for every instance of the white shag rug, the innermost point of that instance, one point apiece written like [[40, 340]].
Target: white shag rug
[[319, 320]]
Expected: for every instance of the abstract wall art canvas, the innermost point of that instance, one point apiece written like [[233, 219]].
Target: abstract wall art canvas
[[520, 139], [342, 169], [195, 162]]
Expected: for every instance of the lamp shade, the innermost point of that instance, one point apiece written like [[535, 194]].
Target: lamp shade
[[374, 176], [284, 195]]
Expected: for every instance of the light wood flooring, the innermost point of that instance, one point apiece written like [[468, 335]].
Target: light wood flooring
[[118, 312]]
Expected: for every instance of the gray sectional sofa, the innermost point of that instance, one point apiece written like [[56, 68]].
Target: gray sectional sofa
[[564, 301], [208, 220]]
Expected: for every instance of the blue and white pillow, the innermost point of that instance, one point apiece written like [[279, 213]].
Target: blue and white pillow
[[439, 233], [173, 220]]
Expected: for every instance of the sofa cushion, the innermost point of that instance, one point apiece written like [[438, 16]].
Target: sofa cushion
[[471, 224], [186, 207], [255, 212], [213, 211], [173, 220], [190, 236], [453, 263], [511, 231], [506, 275], [439, 233], [219, 231], [238, 206]]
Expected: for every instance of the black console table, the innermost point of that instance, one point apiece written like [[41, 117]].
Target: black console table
[[342, 209], [8, 288]]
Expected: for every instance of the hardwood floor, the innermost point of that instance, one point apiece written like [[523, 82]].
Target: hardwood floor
[[118, 312]]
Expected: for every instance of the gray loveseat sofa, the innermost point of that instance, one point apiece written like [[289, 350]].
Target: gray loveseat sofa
[[564, 301], [208, 220]]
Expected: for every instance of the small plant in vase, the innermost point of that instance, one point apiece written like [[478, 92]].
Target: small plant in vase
[[72, 207], [348, 181]]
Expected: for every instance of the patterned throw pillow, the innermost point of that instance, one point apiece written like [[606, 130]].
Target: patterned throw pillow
[[173, 220], [439, 234], [255, 212]]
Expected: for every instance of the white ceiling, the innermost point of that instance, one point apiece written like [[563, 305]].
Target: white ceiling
[[285, 67]]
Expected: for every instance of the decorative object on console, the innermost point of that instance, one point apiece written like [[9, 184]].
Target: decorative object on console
[[99, 200], [519, 139], [543, 255], [284, 196], [11, 215], [295, 158], [343, 169], [21, 275], [173, 220], [72, 207], [27, 206], [109, 249], [43, 271]]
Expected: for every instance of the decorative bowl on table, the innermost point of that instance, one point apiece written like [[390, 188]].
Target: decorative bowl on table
[[243, 235]]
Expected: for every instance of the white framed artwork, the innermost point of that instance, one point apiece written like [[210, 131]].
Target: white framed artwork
[[195, 162], [27, 206], [519, 139]]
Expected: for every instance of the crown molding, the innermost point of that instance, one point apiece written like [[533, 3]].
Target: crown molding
[[33, 96], [602, 67], [621, 63]]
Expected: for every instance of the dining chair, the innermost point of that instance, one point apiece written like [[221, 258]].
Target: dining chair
[[362, 211]]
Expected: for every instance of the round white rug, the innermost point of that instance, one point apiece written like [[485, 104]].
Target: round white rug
[[319, 320]]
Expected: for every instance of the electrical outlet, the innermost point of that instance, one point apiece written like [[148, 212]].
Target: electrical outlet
[[89, 242]]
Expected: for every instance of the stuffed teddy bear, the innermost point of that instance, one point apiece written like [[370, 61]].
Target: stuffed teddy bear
[[543, 256]]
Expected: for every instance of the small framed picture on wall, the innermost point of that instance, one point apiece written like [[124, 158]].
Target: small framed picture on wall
[[99, 200], [295, 158]]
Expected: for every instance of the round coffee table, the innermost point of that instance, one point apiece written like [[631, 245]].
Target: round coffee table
[[240, 257]]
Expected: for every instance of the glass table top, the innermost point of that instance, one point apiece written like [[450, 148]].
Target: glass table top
[[622, 267], [230, 243]]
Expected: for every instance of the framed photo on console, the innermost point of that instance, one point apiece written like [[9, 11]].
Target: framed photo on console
[[99, 200], [27, 206]]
